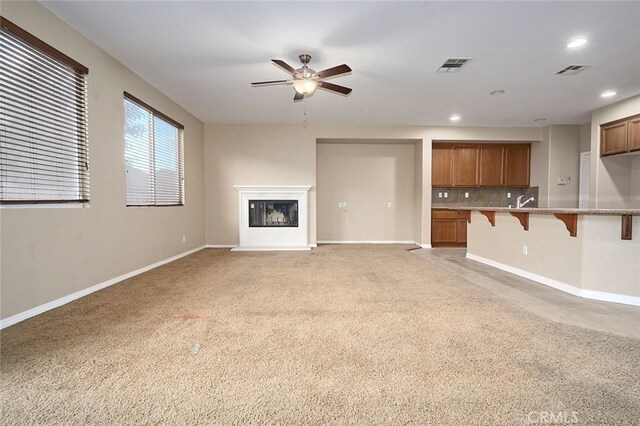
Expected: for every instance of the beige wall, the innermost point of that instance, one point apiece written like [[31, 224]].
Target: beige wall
[[558, 153], [613, 183], [596, 260], [540, 167], [367, 177], [253, 155], [286, 155], [48, 253], [564, 159]]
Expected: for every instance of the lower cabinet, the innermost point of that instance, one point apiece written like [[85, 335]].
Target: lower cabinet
[[448, 228]]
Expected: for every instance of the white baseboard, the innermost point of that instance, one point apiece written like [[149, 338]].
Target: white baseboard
[[567, 288], [219, 246], [365, 242], [14, 319], [425, 245]]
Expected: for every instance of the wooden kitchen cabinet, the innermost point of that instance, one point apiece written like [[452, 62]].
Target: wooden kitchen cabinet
[[634, 134], [620, 136], [480, 164], [465, 165], [491, 165], [613, 138], [517, 165], [442, 165], [448, 228]]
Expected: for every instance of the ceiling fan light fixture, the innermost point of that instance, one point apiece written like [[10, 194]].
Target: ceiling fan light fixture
[[305, 86]]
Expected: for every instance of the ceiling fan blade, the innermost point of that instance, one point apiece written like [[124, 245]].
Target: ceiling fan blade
[[334, 87], [330, 72], [282, 64], [298, 97], [260, 83]]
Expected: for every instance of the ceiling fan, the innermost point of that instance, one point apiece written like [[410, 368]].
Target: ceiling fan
[[306, 80]]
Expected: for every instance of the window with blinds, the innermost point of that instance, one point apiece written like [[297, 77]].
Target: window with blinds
[[43, 122], [153, 154]]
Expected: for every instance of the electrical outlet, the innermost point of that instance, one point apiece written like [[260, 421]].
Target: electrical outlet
[[446, 195], [388, 204], [525, 250], [466, 195], [508, 195], [439, 194], [184, 238]]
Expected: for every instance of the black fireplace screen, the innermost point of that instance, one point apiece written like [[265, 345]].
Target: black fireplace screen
[[273, 213]]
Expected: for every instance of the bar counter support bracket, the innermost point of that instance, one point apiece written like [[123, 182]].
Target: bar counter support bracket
[[626, 226], [491, 216], [523, 218], [570, 221]]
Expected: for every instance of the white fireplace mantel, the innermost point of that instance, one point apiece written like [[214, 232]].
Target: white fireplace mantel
[[273, 238]]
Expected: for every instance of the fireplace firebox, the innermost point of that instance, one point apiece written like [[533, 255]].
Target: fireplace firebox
[[273, 213]]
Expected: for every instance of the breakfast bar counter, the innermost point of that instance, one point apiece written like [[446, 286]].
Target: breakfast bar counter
[[590, 253]]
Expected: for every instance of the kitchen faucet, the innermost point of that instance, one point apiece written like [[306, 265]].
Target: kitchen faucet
[[520, 203]]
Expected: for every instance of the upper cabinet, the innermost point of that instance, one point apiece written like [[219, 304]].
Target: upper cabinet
[[518, 160], [492, 165], [442, 165], [480, 164], [620, 136], [465, 165]]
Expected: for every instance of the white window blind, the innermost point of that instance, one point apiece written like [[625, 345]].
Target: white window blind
[[153, 155], [43, 122]]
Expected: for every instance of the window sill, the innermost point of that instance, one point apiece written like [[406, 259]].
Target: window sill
[[45, 206]]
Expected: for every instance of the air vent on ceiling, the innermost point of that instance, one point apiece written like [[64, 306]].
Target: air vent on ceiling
[[453, 64], [573, 69]]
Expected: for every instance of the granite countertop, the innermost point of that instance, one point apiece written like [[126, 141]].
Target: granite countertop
[[559, 210]]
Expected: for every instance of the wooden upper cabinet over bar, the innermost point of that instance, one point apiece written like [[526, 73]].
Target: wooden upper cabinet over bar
[[442, 165], [620, 136], [491, 165], [613, 138], [634, 134], [517, 165], [465, 165]]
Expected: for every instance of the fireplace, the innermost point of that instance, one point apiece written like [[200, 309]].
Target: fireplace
[[273, 213], [273, 217]]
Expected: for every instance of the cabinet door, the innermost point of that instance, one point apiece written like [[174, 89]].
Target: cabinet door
[[634, 134], [444, 232], [517, 163], [613, 138], [465, 165], [441, 166], [491, 165], [462, 232]]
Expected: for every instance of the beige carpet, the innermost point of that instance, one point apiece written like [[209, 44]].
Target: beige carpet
[[340, 335]]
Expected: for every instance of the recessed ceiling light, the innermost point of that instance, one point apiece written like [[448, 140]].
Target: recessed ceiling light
[[497, 92], [577, 43], [454, 117], [540, 119], [608, 94]]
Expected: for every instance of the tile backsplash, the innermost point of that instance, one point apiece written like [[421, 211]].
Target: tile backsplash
[[482, 197]]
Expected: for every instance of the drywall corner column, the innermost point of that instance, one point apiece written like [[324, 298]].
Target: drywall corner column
[[418, 182]]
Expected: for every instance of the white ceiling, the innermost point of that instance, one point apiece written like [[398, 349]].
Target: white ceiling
[[204, 55]]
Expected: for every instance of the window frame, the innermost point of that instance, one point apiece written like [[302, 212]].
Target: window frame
[[80, 103], [156, 113]]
